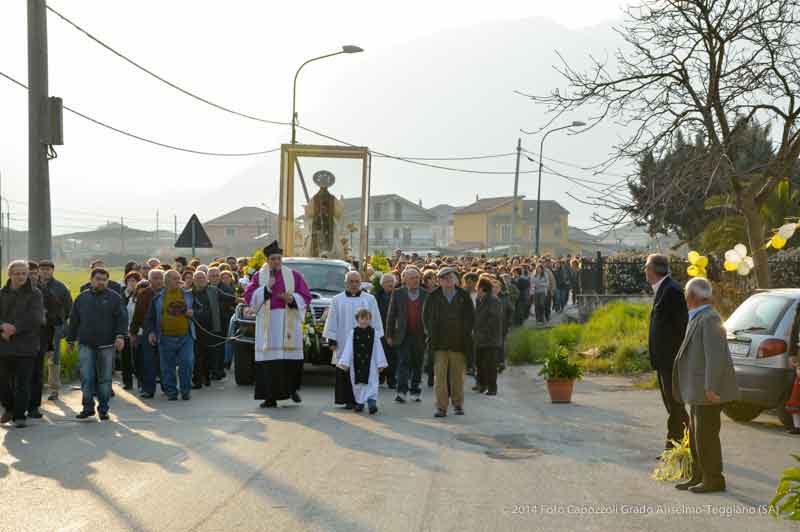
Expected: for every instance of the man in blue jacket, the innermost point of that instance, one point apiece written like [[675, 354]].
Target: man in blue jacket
[[98, 323]]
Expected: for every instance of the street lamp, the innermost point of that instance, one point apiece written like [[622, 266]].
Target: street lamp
[[346, 49], [576, 123]]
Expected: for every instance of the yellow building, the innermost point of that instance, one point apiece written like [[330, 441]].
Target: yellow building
[[487, 224]]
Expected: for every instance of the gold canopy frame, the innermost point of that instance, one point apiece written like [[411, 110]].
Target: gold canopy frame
[[290, 153]]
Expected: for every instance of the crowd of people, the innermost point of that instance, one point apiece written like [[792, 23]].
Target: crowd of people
[[444, 317]]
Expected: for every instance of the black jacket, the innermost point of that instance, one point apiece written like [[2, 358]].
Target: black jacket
[[22, 308], [449, 325], [383, 300], [489, 323], [396, 326], [668, 321], [97, 318], [58, 302]]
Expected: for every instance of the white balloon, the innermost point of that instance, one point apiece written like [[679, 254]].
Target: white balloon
[[749, 262], [741, 249], [743, 269], [787, 231], [732, 257]]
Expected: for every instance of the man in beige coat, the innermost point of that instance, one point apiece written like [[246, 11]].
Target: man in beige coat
[[703, 377]]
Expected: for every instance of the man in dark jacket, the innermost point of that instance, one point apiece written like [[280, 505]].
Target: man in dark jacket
[[148, 353], [448, 317], [21, 319], [406, 333], [208, 349], [58, 305], [384, 297], [98, 323], [523, 308], [488, 337], [668, 321]]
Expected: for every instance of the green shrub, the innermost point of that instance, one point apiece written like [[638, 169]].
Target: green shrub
[[529, 346], [630, 358], [594, 365], [567, 334], [70, 369], [558, 366], [786, 503]]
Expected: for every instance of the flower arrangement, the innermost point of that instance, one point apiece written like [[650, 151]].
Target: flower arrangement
[[675, 463], [380, 263]]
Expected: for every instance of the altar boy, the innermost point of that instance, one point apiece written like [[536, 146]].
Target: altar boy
[[363, 356]]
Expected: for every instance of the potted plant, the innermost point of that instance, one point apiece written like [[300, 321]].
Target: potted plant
[[560, 375]]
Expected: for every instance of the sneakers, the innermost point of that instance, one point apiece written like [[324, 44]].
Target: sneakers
[[6, 417], [296, 398], [84, 415], [401, 398], [186, 397], [416, 396], [103, 416]]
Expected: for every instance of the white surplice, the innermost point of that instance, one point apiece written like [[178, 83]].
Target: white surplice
[[274, 348], [342, 318], [364, 392]]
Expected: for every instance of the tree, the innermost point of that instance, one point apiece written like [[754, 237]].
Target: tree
[[708, 68]]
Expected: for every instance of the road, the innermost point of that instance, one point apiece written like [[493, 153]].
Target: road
[[219, 462]]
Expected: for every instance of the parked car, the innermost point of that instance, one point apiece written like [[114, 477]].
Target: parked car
[[325, 278], [759, 333]]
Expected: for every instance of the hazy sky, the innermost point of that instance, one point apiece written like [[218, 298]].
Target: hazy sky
[[243, 54]]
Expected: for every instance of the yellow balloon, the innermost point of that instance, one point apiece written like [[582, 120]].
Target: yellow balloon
[[693, 256], [702, 262], [778, 242], [731, 266], [693, 271]]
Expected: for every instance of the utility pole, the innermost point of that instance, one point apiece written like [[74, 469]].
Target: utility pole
[[39, 221], [516, 191]]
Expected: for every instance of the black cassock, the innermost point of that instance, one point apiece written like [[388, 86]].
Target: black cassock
[[362, 360]]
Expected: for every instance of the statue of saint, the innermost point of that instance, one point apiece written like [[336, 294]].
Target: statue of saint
[[324, 215]]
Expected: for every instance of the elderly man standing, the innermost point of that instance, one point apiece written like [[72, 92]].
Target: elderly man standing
[[280, 297], [148, 354], [21, 319], [667, 329], [704, 378], [406, 334], [341, 322], [448, 316]]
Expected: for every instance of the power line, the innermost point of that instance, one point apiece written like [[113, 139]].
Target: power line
[[149, 141], [161, 79]]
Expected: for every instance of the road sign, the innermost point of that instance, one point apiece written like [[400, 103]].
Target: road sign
[[194, 236]]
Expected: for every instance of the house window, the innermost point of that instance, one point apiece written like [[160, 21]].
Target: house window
[[398, 211], [379, 233], [505, 232], [230, 232], [376, 211], [396, 233], [406, 236]]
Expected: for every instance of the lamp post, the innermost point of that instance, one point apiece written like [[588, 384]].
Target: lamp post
[[346, 49], [539, 191]]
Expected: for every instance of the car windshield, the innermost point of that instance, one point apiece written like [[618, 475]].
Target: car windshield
[[321, 277], [758, 314]]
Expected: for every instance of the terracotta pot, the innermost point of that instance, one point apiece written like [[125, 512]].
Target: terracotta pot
[[560, 390]]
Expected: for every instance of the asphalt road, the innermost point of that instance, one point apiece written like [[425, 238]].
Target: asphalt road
[[514, 462]]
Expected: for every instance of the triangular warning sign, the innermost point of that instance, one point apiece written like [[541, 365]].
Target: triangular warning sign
[[194, 235]]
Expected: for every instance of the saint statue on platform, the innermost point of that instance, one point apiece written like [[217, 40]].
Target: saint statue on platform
[[324, 215]]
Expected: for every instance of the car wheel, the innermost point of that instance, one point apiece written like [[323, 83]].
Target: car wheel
[[244, 363], [742, 412]]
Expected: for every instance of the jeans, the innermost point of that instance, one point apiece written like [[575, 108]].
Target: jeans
[[410, 357], [147, 355], [58, 335], [176, 351], [97, 365], [15, 384]]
